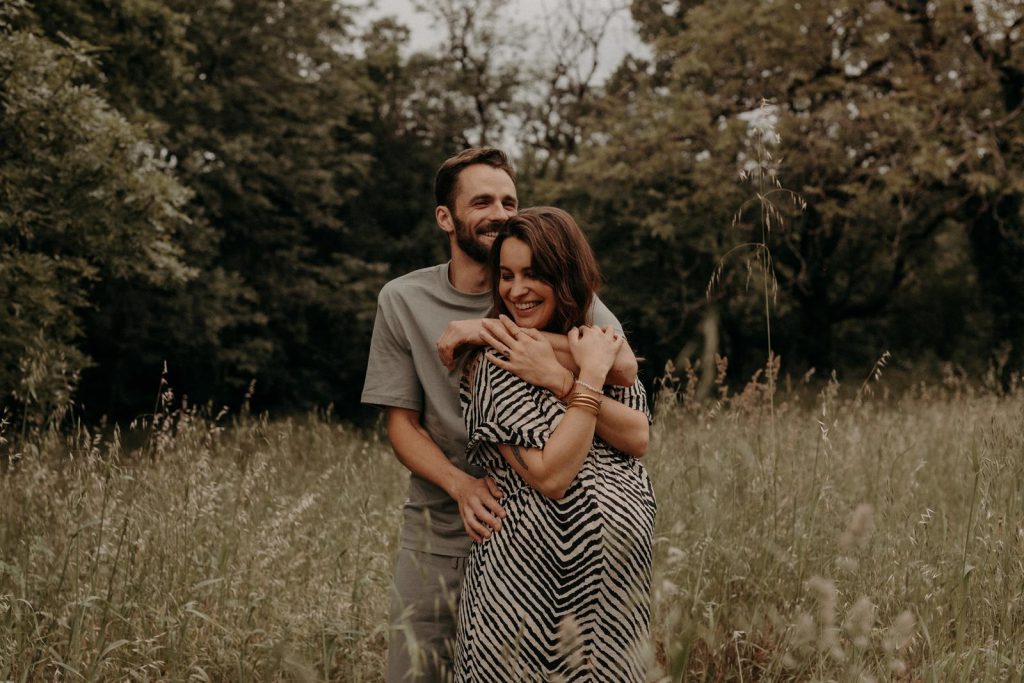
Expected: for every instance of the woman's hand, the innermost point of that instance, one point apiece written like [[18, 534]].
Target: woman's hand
[[530, 355], [594, 350]]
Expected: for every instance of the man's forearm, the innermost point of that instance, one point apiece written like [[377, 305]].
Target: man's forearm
[[418, 453], [623, 428]]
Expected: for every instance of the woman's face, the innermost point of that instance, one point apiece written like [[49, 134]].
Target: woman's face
[[531, 302]]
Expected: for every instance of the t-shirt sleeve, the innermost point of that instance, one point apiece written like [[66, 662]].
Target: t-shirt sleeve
[[500, 408], [634, 397], [601, 316], [391, 378]]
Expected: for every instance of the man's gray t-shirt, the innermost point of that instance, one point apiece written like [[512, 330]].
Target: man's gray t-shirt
[[404, 372]]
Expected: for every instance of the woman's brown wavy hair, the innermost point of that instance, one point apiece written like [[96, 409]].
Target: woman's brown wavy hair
[[561, 258]]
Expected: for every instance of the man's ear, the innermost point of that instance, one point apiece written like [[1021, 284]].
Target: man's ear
[[443, 215]]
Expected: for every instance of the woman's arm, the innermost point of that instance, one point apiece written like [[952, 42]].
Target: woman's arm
[[551, 469]]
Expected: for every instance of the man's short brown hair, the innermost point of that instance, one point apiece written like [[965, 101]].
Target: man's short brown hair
[[446, 181]]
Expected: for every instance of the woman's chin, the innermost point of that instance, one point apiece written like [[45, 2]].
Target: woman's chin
[[524, 322]]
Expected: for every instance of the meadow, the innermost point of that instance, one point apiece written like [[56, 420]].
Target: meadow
[[849, 537]]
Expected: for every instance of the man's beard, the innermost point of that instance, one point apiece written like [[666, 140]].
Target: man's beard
[[469, 241]]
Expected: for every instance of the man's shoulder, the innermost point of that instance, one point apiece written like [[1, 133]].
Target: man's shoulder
[[412, 281]]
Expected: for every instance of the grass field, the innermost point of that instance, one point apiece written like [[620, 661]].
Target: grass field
[[854, 540]]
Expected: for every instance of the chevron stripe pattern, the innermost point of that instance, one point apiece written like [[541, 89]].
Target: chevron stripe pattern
[[562, 592]]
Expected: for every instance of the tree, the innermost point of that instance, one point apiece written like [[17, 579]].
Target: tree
[[478, 75], [252, 103], [85, 198], [884, 115], [559, 104]]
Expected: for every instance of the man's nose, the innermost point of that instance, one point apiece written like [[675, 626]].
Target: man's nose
[[500, 212]]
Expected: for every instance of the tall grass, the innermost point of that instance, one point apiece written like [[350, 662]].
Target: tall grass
[[258, 552], [890, 546], [893, 550]]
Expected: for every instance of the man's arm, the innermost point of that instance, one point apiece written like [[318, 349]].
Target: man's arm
[[477, 498], [623, 428], [539, 370]]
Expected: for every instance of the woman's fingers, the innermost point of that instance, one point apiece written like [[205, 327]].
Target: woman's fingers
[[532, 333], [500, 362], [495, 343], [510, 326], [497, 330]]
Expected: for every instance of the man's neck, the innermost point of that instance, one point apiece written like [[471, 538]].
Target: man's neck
[[467, 275]]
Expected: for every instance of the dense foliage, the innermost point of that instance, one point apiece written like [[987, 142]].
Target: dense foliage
[[224, 186]]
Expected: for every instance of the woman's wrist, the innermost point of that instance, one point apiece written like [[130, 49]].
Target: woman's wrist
[[592, 377]]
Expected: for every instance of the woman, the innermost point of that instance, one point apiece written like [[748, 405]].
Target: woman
[[563, 590]]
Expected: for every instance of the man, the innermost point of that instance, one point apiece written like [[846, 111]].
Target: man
[[422, 315]]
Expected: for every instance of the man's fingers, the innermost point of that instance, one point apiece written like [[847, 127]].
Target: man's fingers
[[491, 520], [471, 519], [484, 516], [495, 507], [492, 486], [469, 526]]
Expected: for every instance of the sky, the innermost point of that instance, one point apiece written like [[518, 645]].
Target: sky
[[620, 38]]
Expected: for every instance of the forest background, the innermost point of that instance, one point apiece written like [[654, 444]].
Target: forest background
[[222, 187]]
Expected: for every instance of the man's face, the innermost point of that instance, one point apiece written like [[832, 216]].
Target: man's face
[[485, 197]]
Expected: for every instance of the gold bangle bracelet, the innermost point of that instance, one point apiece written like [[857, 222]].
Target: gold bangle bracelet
[[589, 403], [593, 410]]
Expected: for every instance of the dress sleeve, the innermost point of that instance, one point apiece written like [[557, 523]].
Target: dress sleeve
[[500, 408], [634, 397]]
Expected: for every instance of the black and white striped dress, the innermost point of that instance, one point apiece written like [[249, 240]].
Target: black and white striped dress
[[562, 592]]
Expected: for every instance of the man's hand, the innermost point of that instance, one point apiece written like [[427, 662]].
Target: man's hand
[[457, 333], [479, 507], [530, 355]]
